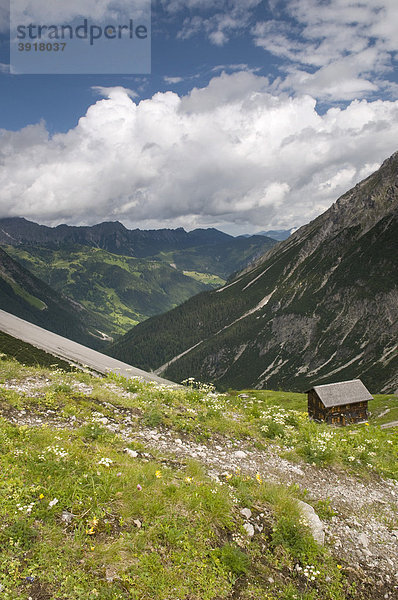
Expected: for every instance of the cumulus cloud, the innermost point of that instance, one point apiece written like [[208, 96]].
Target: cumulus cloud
[[336, 50], [333, 49], [231, 155]]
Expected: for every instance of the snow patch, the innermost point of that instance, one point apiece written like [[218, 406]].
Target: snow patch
[[170, 362], [345, 365], [225, 287], [255, 279]]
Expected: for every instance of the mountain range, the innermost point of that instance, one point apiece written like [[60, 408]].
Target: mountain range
[[320, 306], [124, 276]]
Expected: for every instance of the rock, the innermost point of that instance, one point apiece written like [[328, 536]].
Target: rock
[[67, 517], [313, 521], [131, 453], [246, 512], [178, 442], [110, 574], [240, 454], [248, 527], [363, 539], [395, 533], [137, 523]]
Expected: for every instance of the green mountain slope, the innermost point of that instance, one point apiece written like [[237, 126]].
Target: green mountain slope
[[321, 306], [24, 295], [118, 291], [146, 273]]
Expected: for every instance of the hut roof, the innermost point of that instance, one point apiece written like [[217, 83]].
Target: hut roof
[[343, 392]]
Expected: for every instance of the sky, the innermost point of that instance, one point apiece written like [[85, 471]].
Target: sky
[[257, 115]]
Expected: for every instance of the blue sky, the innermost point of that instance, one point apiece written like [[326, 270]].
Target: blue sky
[[257, 115]]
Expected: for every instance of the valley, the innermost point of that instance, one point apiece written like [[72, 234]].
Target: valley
[[122, 277]]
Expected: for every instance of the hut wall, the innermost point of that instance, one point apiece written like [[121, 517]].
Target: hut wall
[[316, 409], [337, 415], [347, 413]]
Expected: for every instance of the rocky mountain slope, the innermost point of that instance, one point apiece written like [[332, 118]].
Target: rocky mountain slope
[[24, 295], [319, 307]]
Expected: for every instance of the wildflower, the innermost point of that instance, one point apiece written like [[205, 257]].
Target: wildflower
[[258, 478], [188, 479], [41, 496], [228, 476], [158, 474], [139, 488], [106, 462], [53, 502], [339, 567]]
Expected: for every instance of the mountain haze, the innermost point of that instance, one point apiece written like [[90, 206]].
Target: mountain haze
[[319, 307]]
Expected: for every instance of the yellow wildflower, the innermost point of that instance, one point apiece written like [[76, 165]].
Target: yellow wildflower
[[158, 474], [41, 496], [258, 478]]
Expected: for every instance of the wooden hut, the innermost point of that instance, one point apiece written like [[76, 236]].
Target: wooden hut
[[339, 403]]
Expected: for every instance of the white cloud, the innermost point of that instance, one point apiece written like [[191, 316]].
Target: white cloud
[[230, 155], [334, 49], [217, 19], [173, 80]]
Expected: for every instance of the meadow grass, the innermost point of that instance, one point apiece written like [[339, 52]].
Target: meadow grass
[[81, 518]]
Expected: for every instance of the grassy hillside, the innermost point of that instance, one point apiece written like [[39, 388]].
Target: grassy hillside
[[220, 259], [101, 499], [27, 354], [118, 291], [30, 298]]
